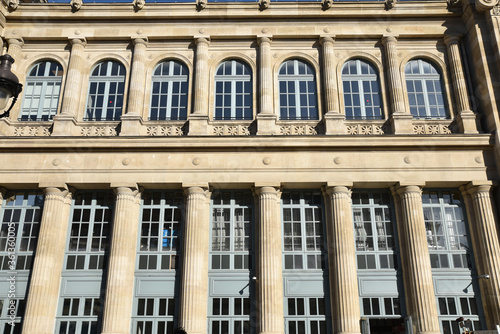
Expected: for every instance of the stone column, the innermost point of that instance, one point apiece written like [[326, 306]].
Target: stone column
[[43, 297], [198, 120], [120, 278], [65, 122], [269, 262], [342, 261], [400, 119], [132, 120], [484, 235], [419, 288], [266, 118], [194, 283], [333, 119], [15, 50], [465, 117]]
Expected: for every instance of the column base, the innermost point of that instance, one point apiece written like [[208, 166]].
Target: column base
[[467, 122], [402, 123], [131, 125], [266, 125], [198, 125], [64, 125], [334, 124]]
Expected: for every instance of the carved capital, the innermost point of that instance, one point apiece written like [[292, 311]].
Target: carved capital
[[327, 40], [485, 5]]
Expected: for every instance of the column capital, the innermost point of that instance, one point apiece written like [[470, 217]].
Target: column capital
[[475, 187], [407, 189], [452, 37], [78, 41], [19, 41], [264, 39], [202, 40], [389, 38], [327, 39], [261, 190], [196, 190], [140, 41], [337, 189]]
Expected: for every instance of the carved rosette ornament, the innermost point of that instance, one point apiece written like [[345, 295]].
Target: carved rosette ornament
[[76, 5], [326, 4], [264, 4], [389, 4], [138, 4], [485, 5], [201, 4]]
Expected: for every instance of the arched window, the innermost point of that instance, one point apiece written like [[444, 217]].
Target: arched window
[[41, 95], [233, 91], [361, 90], [425, 91], [297, 85], [106, 88], [169, 97]]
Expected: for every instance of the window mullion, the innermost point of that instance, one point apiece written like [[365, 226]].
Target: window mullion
[[170, 86], [362, 98], [233, 98], [297, 98]]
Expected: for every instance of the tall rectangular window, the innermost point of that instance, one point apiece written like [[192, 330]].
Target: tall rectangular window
[[450, 251], [303, 230], [230, 315], [154, 315], [11, 315], [232, 215], [79, 315], [305, 315], [160, 229]]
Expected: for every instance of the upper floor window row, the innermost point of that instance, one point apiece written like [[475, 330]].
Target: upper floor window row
[[233, 92]]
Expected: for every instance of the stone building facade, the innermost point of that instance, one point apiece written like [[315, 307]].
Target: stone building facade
[[271, 167]]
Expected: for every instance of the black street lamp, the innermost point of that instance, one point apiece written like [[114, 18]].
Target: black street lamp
[[9, 84]]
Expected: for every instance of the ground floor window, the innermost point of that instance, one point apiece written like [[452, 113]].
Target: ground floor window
[[230, 315], [305, 315], [80, 315], [154, 315], [453, 307], [11, 313]]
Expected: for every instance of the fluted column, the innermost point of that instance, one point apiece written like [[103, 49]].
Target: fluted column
[[400, 119], [484, 232], [64, 123], [419, 288], [465, 117], [333, 119], [269, 267], [342, 261], [198, 124], [132, 120], [194, 283], [43, 297], [120, 278], [266, 118], [14, 50]]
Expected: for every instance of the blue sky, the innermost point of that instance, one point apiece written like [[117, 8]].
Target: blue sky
[[153, 1]]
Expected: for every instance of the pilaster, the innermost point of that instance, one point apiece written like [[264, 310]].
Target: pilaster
[[484, 232], [65, 122], [120, 278], [419, 288], [266, 118], [466, 119], [15, 46], [198, 120], [342, 261], [333, 119], [43, 297], [132, 120], [401, 120], [194, 282], [269, 267]]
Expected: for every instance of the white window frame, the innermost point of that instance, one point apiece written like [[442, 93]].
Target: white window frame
[[37, 104], [170, 79], [233, 79]]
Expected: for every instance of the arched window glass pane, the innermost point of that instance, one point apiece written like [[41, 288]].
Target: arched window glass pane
[[233, 91], [169, 96], [41, 92], [361, 90], [297, 85], [425, 91], [106, 89]]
